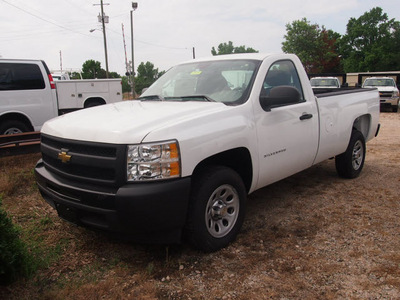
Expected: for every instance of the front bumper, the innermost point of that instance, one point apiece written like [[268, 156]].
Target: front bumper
[[151, 212], [389, 102]]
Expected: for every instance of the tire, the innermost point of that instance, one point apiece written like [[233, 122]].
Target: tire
[[93, 104], [394, 108], [350, 163], [13, 127], [216, 210]]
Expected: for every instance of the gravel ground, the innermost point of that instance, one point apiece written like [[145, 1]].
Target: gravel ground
[[311, 236]]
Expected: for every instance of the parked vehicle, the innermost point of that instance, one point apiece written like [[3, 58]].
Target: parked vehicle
[[29, 97], [78, 94], [325, 83], [388, 91], [60, 76], [179, 162]]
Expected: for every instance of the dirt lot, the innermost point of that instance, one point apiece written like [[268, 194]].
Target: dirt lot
[[311, 236]]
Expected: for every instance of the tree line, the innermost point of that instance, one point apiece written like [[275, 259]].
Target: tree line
[[371, 43]]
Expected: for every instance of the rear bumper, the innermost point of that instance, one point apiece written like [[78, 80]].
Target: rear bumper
[[151, 212]]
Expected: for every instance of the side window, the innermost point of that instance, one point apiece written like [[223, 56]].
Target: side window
[[20, 77], [282, 72]]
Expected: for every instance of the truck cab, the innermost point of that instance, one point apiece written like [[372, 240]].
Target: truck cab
[[325, 83]]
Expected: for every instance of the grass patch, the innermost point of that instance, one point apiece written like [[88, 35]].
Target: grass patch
[[15, 258]]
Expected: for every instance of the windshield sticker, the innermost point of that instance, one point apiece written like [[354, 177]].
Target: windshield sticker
[[197, 72]]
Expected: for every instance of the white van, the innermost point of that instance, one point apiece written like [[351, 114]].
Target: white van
[[27, 95]]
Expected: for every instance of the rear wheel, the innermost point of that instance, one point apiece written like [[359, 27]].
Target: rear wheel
[[350, 163], [13, 127], [217, 208]]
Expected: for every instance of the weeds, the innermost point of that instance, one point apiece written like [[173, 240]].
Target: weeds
[[15, 259]]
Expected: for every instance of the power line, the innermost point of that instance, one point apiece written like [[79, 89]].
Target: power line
[[42, 19]]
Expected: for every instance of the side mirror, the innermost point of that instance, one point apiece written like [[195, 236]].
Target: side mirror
[[280, 96]]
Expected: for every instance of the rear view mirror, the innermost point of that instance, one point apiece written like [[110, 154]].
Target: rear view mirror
[[280, 96]]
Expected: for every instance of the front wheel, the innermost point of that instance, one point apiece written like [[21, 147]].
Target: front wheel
[[217, 208], [350, 163], [13, 127]]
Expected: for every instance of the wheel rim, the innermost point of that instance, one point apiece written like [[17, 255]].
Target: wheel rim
[[222, 211], [358, 155], [13, 130]]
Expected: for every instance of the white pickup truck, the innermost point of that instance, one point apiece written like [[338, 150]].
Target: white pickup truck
[[388, 91], [29, 96], [178, 163]]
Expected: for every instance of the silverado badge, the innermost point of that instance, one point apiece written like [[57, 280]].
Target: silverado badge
[[64, 157]]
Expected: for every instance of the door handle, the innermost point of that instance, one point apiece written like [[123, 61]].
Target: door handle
[[306, 117]]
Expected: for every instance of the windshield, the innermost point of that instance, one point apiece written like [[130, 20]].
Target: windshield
[[227, 81], [379, 82], [324, 82]]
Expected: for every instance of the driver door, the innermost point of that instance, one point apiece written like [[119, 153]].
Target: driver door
[[287, 133]]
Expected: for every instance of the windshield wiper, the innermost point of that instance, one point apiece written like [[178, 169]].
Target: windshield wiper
[[152, 98], [194, 98], [178, 98]]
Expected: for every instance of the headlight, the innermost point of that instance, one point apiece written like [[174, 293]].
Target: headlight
[[153, 161], [395, 94]]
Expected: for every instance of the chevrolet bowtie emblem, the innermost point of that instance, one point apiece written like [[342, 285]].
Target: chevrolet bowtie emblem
[[64, 157]]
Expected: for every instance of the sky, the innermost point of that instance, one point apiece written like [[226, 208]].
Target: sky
[[165, 32]]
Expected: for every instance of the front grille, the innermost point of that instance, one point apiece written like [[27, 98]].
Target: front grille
[[386, 94], [95, 163]]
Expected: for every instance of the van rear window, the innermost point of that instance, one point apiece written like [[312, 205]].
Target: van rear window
[[22, 76]]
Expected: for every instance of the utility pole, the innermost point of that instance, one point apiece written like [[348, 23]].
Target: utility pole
[[104, 35], [134, 7], [60, 62], [103, 19]]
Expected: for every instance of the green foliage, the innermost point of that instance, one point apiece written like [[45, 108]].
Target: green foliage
[[15, 260], [315, 46], [146, 75], [75, 75], [371, 43], [92, 69], [228, 48]]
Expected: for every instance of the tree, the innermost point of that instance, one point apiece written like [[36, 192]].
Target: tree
[[315, 46], [92, 69], [146, 75], [225, 48], [371, 43]]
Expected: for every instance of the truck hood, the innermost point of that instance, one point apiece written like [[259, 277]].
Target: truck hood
[[383, 88], [126, 122]]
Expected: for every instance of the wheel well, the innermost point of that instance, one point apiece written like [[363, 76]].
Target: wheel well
[[238, 159], [362, 124], [94, 101], [18, 117]]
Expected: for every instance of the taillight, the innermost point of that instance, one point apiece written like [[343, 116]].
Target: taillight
[[52, 84]]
